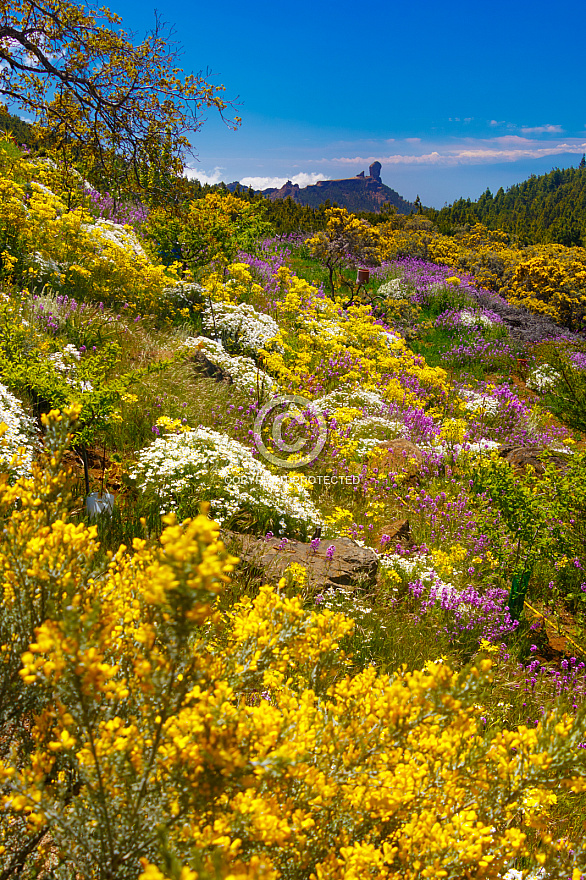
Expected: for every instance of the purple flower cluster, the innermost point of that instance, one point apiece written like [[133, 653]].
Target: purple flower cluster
[[474, 347], [427, 277], [52, 321], [108, 208], [511, 422], [467, 615], [458, 318], [578, 359]]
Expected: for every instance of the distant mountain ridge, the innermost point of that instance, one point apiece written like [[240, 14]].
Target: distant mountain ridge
[[359, 193]]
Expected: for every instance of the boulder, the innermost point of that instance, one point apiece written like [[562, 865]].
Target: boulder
[[205, 367], [399, 455], [398, 532], [534, 456], [350, 565]]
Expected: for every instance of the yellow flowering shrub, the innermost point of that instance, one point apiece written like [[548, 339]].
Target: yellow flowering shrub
[[315, 332], [147, 734], [549, 279], [65, 247], [211, 229]]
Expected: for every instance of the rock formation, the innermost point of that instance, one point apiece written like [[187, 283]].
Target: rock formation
[[359, 193]]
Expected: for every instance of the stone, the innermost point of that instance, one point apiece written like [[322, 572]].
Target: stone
[[205, 367], [350, 566], [374, 170], [399, 455], [533, 456], [398, 532]]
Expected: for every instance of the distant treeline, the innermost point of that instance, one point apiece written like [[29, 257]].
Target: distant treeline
[[286, 216], [21, 131], [543, 209]]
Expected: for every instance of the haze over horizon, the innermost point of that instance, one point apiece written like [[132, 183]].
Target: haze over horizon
[[451, 99]]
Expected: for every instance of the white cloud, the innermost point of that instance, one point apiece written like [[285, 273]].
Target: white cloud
[[413, 140], [303, 179], [509, 148], [544, 129], [197, 174]]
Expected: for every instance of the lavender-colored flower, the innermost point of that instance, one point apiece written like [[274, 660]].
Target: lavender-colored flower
[[330, 551]]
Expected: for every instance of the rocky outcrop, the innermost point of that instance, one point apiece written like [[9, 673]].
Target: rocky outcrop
[[288, 190], [359, 193], [399, 455], [537, 457], [348, 565], [521, 323]]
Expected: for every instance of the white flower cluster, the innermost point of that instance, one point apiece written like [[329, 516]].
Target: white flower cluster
[[224, 471], [474, 319], [513, 874], [67, 362], [370, 432], [19, 433], [372, 425], [482, 402], [245, 374], [395, 289], [543, 378], [371, 403], [251, 330], [391, 340], [452, 450], [106, 231], [347, 602], [44, 267]]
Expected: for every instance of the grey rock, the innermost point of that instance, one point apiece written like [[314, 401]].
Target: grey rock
[[532, 456], [350, 566]]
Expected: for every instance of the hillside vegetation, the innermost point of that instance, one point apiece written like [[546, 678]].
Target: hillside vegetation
[[543, 209], [172, 365]]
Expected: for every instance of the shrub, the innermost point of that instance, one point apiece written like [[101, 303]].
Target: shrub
[[146, 734]]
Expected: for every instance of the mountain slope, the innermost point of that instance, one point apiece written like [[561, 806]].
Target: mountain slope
[[359, 193], [545, 208]]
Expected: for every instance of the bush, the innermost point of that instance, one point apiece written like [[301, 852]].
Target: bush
[[146, 734]]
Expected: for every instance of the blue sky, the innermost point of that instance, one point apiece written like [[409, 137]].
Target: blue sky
[[449, 97]]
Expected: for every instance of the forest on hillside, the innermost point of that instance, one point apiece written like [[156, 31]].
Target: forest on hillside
[[549, 208]]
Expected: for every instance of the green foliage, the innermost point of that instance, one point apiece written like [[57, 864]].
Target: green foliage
[[521, 535], [567, 395], [213, 228], [546, 208], [58, 378]]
